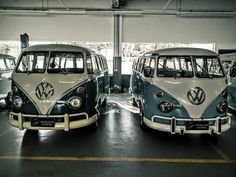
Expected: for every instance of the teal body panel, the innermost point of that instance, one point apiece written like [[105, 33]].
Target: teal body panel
[[106, 82], [134, 87], [28, 106], [150, 103], [89, 101], [211, 110], [232, 94]]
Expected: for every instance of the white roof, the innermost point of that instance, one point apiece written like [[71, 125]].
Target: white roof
[[57, 47], [183, 51], [6, 56]]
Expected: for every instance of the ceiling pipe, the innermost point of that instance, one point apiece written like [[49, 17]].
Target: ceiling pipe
[[179, 13]]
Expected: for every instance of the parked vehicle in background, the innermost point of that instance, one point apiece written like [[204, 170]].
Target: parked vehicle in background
[[229, 63], [58, 87], [7, 64], [181, 90]]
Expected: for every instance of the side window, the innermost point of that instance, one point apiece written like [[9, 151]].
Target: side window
[[98, 63], [101, 62], [137, 64], [105, 63], [141, 65], [89, 64], [94, 63]]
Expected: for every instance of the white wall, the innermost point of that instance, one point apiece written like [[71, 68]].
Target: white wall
[[221, 31], [179, 29], [57, 28]]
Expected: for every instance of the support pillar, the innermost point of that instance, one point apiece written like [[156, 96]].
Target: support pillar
[[117, 58], [24, 39]]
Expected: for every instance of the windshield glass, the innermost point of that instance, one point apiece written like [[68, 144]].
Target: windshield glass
[[182, 67], [32, 63], [7, 64], [208, 67], [171, 66], [66, 62]]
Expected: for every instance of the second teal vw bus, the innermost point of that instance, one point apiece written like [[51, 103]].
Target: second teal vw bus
[[181, 90]]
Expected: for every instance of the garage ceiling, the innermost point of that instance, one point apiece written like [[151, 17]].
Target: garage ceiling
[[110, 7]]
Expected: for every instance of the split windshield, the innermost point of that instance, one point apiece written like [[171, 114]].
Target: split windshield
[[184, 67], [55, 62], [6, 64]]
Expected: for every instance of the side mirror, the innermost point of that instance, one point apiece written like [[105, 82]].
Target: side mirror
[[148, 72], [232, 72]]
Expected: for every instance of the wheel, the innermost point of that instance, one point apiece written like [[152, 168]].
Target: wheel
[[104, 103], [141, 121], [134, 103]]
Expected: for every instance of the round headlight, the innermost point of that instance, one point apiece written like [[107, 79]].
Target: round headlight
[[17, 102], [165, 106], [75, 102], [222, 107]]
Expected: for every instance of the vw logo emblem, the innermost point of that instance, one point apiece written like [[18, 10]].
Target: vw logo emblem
[[44, 91], [196, 96]]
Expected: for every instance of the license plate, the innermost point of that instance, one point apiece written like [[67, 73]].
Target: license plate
[[42, 122], [197, 125]]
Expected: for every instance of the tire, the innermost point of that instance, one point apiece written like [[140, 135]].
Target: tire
[[134, 103], [141, 121], [104, 103]]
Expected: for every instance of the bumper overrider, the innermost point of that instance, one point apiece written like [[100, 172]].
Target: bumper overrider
[[178, 125], [60, 122]]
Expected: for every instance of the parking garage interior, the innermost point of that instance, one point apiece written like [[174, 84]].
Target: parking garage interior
[[120, 30]]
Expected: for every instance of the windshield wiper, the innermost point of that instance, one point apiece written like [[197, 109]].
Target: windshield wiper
[[162, 66], [204, 70]]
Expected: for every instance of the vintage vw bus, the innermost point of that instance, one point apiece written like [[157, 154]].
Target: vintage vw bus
[[181, 90], [58, 87], [229, 63], [7, 64]]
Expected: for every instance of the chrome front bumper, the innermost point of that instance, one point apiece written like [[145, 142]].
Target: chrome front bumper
[[66, 125], [173, 128]]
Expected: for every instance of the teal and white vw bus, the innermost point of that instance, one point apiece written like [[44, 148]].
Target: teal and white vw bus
[[229, 63], [181, 90], [58, 87], [7, 64]]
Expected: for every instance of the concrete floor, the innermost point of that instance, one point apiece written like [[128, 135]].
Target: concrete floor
[[118, 148]]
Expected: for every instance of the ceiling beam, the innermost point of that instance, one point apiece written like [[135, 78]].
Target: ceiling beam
[[74, 11]]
